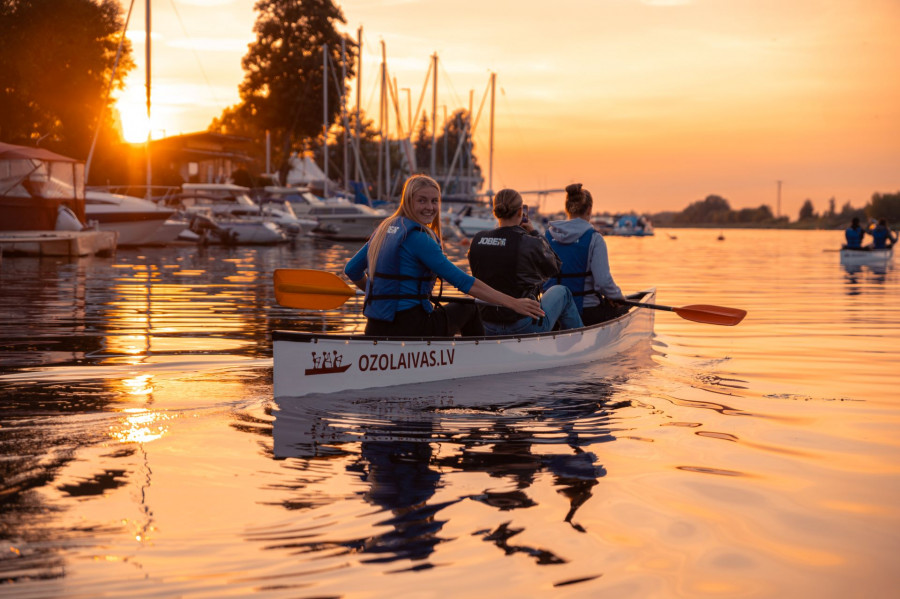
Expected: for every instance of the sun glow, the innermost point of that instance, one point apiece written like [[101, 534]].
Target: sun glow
[[132, 107]]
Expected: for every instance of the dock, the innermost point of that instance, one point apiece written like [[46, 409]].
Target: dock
[[57, 243]]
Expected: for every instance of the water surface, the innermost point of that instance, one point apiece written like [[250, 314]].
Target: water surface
[[144, 455]]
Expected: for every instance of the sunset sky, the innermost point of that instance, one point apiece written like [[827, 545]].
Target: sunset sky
[[652, 104]]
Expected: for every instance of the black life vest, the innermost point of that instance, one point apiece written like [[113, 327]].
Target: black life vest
[[493, 257]]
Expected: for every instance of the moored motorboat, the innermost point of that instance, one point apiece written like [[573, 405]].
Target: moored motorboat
[[309, 363], [337, 218], [136, 220], [632, 225], [862, 256]]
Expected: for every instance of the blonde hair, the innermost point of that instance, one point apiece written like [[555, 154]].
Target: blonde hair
[[410, 188], [578, 201], [506, 203]]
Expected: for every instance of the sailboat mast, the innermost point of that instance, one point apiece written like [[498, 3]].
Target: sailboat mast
[[358, 98], [325, 118], [147, 85], [344, 112], [434, 93], [491, 153]]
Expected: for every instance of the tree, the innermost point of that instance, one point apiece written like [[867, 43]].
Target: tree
[[886, 206], [56, 63], [807, 211], [457, 137], [422, 144], [713, 209], [282, 90], [368, 148]]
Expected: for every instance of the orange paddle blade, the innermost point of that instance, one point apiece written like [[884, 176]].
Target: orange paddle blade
[[720, 315], [310, 289], [704, 313]]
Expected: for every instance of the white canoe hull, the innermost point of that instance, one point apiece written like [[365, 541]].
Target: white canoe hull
[[307, 363], [860, 257]]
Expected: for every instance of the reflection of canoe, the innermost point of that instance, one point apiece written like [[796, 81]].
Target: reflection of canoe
[[383, 362], [882, 256]]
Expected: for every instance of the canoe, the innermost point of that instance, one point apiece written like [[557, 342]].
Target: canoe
[[311, 363], [864, 256]]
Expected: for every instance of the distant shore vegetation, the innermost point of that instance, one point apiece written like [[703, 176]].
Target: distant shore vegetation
[[715, 211]]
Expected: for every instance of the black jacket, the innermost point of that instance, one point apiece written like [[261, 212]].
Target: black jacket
[[511, 260]]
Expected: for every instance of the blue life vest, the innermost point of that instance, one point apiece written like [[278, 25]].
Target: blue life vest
[[854, 237], [383, 290], [879, 237], [575, 268]]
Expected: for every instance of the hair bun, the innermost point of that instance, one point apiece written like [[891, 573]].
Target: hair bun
[[573, 189]]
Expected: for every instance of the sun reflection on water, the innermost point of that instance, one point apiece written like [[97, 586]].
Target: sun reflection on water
[[141, 426]]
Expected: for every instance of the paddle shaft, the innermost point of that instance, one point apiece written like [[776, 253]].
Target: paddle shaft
[[350, 292], [644, 305]]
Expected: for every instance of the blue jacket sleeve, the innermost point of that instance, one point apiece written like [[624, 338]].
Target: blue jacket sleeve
[[356, 267], [430, 253]]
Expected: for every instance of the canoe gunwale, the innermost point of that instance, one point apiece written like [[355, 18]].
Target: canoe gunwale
[[303, 337]]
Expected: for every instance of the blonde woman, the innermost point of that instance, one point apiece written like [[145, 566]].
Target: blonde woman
[[407, 256]]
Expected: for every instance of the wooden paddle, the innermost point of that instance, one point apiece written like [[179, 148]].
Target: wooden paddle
[[309, 289], [699, 312]]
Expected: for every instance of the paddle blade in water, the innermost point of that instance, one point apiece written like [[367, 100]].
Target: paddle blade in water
[[310, 289], [720, 315]]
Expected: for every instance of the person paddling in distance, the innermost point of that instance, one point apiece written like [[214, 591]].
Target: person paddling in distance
[[516, 260], [854, 235], [882, 236], [585, 260], [397, 268]]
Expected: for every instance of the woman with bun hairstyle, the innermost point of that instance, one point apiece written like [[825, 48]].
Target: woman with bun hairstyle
[[585, 261], [398, 266], [514, 259]]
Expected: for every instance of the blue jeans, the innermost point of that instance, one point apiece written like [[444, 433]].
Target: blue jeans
[[558, 306]]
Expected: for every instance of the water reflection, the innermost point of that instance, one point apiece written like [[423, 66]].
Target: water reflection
[[403, 450], [857, 275]]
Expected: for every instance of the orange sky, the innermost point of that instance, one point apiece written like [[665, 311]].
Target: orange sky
[[652, 104]]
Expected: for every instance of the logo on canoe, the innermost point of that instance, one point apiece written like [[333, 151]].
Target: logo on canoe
[[326, 363]]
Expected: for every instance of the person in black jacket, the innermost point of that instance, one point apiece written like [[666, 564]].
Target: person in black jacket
[[514, 259]]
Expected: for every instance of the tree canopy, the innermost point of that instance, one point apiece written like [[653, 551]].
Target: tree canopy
[[56, 62], [283, 86], [886, 206]]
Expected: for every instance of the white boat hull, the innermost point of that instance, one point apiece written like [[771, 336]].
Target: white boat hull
[[351, 228], [248, 233], [135, 220], [169, 232], [308, 363], [131, 233], [860, 257]]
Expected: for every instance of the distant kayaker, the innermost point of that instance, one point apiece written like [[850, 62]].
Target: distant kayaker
[[516, 260], [585, 261], [882, 236], [854, 235], [407, 254]]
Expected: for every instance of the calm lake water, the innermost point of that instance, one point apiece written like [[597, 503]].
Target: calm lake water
[[143, 454]]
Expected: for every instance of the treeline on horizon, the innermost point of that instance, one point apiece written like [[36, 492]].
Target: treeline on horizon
[[60, 105], [715, 211]]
